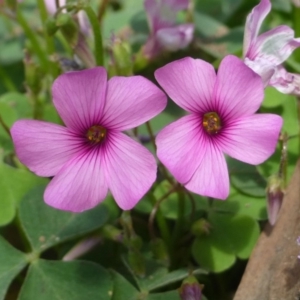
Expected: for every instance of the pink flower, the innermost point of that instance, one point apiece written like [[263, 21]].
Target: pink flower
[[265, 53], [221, 120], [164, 33], [91, 155]]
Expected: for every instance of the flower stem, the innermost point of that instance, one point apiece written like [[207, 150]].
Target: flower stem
[[162, 224], [31, 35], [296, 25], [49, 40], [101, 11], [180, 217], [6, 80], [97, 35], [4, 126]]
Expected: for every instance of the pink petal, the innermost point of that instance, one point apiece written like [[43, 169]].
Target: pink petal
[[162, 14], [252, 139], [181, 146], [275, 45], [79, 185], [178, 4], [131, 101], [285, 82], [44, 147], [152, 47], [79, 97], [238, 91], [189, 82], [130, 169], [253, 23], [261, 66], [211, 178], [175, 38]]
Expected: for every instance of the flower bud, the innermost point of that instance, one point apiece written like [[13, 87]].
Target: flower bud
[[121, 60], [190, 289], [160, 252], [112, 233], [69, 28], [32, 74], [12, 4], [51, 26], [137, 263], [201, 227], [275, 195]]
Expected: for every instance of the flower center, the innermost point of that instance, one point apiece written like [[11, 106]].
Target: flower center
[[211, 123], [96, 134]]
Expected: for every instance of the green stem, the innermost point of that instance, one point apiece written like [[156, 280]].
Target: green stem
[[101, 11], [6, 80], [298, 108], [296, 25], [97, 35], [5, 127], [180, 218], [31, 35], [49, 40], [161, 221]]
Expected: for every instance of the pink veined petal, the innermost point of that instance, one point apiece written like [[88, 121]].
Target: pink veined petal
[[275, 45], [238, 90], [181, 146], [262, 67], [131, 101], [152, 47], [130, 169], [80, 185], [44, 147], [253, 23], [79, 97], [159, 14], [211, 178], [175, 38], [178, 4], [252, 139], [189, 82], [285, 82]]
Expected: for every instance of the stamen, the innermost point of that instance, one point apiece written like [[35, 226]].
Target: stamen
[[211, 123], [96, 134]]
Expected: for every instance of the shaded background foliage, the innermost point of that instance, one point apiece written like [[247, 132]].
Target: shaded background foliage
[[213, 239]]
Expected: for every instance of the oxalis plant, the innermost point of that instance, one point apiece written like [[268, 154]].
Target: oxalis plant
[[144, 144]]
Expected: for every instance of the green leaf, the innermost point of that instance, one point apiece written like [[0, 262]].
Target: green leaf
[[238, 203], [123, 289], [14, 184], [246, 178], [9, 116], [19, 103], [172, 295], [46, 226], [154, 282], [57, 280], [12, 262], [114, 21], [229, 237], [274, 98]]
